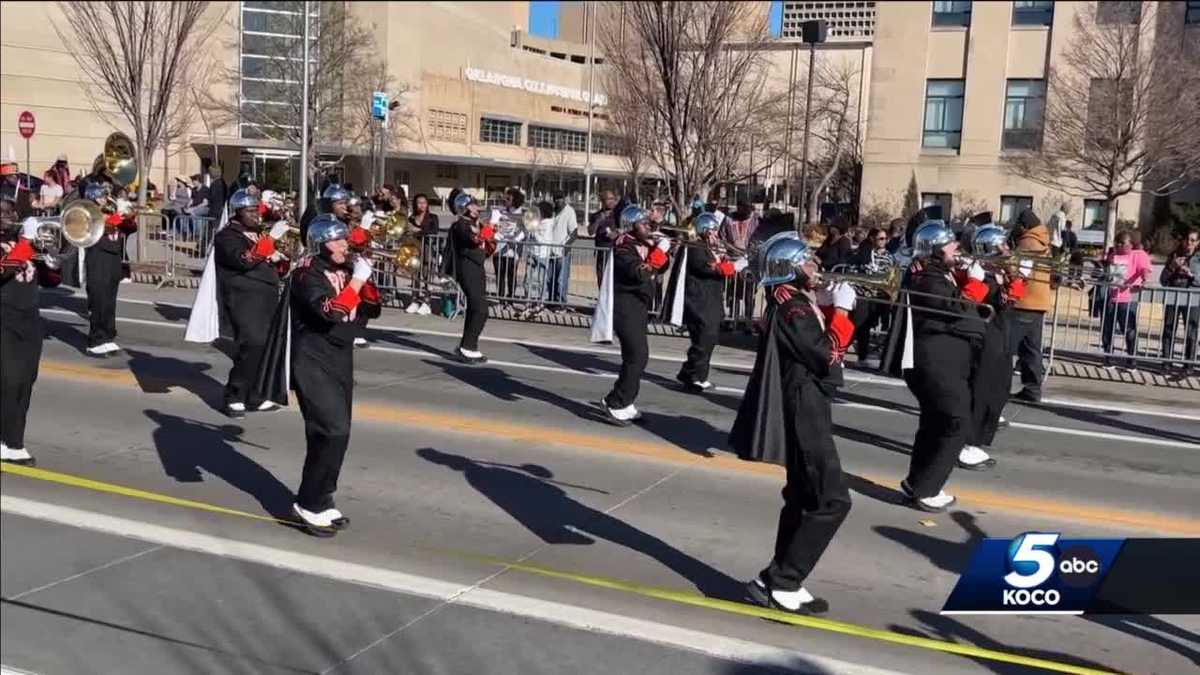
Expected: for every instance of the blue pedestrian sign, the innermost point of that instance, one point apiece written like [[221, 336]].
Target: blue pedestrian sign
[[379, 105]]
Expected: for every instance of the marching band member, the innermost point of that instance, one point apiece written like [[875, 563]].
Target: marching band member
[[20, 325], [329, 289], [706, 271], [103, 266], [359, 218], [248, 282], [992, 372], [637, 260], [785, 417], [942, 354], [472, 244]]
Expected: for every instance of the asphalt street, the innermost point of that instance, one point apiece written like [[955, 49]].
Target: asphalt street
[[499, 527]]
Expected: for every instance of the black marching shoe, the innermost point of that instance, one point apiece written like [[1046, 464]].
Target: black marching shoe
[[469, 356]]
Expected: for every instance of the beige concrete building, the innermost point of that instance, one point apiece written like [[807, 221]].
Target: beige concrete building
[[957, 87]]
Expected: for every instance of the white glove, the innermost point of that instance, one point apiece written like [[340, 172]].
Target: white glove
[[277, 257], [29, 228], [1026, 268], [495, 218], [664, 244], [368, 218], [975, 271], [279, 229], [741, 264], [362, 268], [52, 262], [844, 296]]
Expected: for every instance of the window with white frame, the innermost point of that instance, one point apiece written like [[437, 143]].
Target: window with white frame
[[1095, 214], [492, 130], [1011, 205], [942, 199]]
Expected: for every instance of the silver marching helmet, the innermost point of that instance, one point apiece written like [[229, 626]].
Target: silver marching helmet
[[931, 236], [756, 251], [782, 261], [326, 227], [632, 215], [461, 202], [243, 199], [335, 193], [989, 241], [705, 223]]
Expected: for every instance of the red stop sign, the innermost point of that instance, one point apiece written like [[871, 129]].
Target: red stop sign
[[26, 124]]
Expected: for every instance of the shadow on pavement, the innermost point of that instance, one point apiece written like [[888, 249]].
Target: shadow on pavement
[[495, 382], [795, 664], [693, 434], [873, 490], [940, 627], [387, 336], [951, 556], [66, 333], [1110, 420], [553, 516], [870, 438], [159, 374], [186, 447], [1155, 630]]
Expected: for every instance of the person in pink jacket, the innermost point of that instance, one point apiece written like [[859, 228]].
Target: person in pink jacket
[[1130, 268]]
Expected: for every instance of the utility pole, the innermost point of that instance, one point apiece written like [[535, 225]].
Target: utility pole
[[304, 123], [813, 32], [587, 168]]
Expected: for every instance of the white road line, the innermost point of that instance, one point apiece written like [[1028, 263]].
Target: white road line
[[726, 390], [581, 618], [1117, 410]]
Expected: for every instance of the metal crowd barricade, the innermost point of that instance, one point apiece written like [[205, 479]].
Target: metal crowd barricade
[[1157, 325], [184, 246]]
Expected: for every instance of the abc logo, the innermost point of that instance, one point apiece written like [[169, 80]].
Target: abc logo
[[1031, 562]]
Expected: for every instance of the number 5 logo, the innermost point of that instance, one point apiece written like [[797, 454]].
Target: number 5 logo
[[1031, 563]]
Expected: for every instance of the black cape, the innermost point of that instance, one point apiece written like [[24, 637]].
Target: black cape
[[757, 434], [273, 378]]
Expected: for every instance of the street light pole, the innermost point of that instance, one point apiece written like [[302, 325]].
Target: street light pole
[[303, 205], [812, 55], [787, 142], [587, 168]]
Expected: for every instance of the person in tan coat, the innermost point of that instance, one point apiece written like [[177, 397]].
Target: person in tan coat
[[1029, 236]]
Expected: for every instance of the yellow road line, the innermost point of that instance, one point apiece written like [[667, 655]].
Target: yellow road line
[[667, 594], [660, 451]]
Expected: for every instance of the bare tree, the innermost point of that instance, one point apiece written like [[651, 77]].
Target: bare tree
[[879, 208], [967, 203], [1122, 108], [697, 70], [140, 57], [628, 126], [833, 126]]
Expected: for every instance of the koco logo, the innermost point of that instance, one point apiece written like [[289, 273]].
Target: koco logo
[[1033, 558]]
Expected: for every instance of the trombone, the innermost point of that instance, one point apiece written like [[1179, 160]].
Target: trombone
[[885, 288]]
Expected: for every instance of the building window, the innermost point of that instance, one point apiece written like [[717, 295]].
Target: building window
[[1024, 107], [447, 171], [954, 13], [943, 114], [1010, 206], [1033, 13], [271, 58], [447, 126], [492, 130], [1095, 214], [1118, 11], [942, 199], [1193, 12], [558, 139]]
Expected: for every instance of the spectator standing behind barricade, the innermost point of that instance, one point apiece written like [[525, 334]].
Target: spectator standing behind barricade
[[835, 250], [1182, 271], [429, 227], [1031, 237], [1129, 268], [603, 228], [557, 276], [736, 231], [198, 209], [218, 193], [895, 235], [537, 258], [51, 193], [871, 257], [510, 232]]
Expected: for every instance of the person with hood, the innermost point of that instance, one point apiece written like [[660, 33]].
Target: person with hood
[[20, 324], [942, 353], [248, 284], [785, 418], [1030, 237], [638, 259], [329, 289], [472, 243], [707, 269]]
